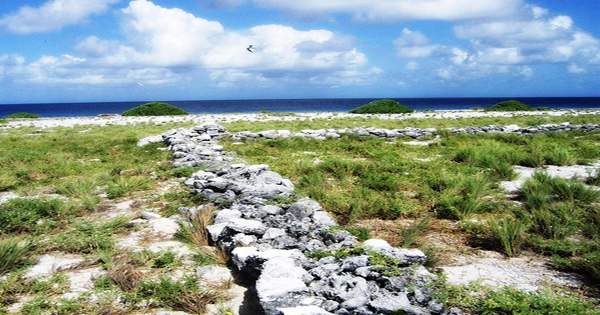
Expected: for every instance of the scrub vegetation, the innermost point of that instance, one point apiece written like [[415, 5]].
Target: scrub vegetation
[[155, 109], [382, 107], [21, 115], [65, 180], [366, 181], [509, 106]]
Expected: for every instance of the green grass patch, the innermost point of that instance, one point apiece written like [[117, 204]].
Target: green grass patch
[[155, 109], [480, 300], [88, 237], [28, 215], [14, 253]]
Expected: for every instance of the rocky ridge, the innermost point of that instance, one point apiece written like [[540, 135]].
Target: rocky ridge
[[300, 261], [320, 134]]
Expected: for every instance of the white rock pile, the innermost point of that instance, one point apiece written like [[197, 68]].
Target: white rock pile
[[272, 240], [321, 134]]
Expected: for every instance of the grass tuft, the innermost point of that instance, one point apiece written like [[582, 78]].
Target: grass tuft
[[13, 254]]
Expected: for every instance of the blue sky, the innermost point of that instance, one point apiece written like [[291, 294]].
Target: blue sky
[[120, 50]]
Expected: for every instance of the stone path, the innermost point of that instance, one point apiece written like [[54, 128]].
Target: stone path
[[272, 240]]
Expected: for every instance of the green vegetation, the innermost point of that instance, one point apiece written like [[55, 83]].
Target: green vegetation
[[21, 115], [382, 107], [510, 233], [155, 109], [25, 214], [509, 106], [89, 237], [13, 254], [479, 300]]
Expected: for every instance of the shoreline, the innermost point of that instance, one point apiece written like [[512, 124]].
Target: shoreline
[[52, 122]]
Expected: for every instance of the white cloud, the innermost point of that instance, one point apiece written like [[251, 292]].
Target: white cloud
[[575, 69], [378, 10], [171, 42], [414, 44], [52, 15]]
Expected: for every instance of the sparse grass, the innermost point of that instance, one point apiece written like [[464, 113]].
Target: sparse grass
[[476, 299], [412, 233], [30, 214], [13, 254], [510, 233], [184, 295], [89, 236]]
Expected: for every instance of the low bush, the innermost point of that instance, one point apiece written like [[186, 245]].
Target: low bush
[[13, 254], [155, 109], [509, 106], [21, 115], [462, 196], [382, 107], [26, 214], [510, 233]]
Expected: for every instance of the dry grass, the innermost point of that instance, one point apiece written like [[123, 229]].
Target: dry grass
[[194, 230], [125, 275], [195, 302]]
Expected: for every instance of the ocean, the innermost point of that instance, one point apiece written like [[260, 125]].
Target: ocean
[[290, 105]]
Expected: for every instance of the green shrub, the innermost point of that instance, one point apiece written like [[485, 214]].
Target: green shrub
[[362, 234], [513, 301], [509, 106], [184, 295], [587, 264], [23, 214], [510, 233], [556, 221], [22, 115], [462, 196], [385, 106], [13, 254], [165, 259], [155, 109]]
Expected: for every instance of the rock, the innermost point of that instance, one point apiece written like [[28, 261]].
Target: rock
[[81, 281], [376, 245], [273, 233], [227, 215], [351, 263], [303, 310], [164, 226], [279, 283], [6, 196], [214, 275], [216, 230], [247, 226], [323, 218], [304, 208], [388, 303], [178, 248], [270, 209], [354, 293], [49, 264], [150, 139], [148, 215], [244, 239]]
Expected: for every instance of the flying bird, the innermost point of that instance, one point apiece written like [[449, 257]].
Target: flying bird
[[250, 48]]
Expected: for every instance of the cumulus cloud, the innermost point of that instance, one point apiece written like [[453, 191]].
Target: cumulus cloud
[[52, 15], [172, 43], [414, 44], [514, 45], [378, 10]]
